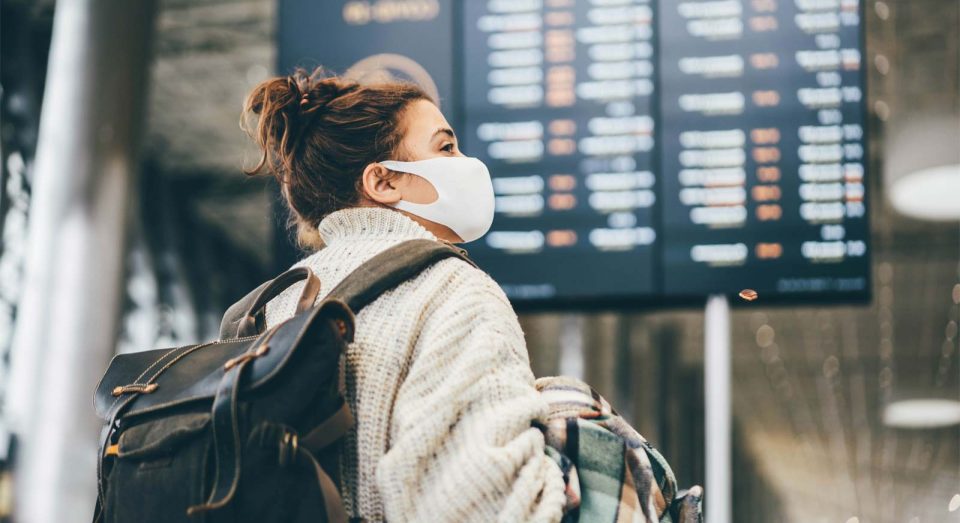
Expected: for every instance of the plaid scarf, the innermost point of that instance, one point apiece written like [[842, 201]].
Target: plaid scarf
[[612, 473]]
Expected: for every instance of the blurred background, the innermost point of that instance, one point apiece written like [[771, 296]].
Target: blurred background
[[122, 158]]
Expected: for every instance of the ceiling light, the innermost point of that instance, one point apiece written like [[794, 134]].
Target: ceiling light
[[923, 166], [922, 413]]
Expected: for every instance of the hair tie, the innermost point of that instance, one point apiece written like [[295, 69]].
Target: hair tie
[[303, 99]]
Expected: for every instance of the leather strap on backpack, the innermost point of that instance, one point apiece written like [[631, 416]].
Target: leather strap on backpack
[[374, 277]]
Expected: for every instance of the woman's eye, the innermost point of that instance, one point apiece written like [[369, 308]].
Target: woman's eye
[[447, 148]]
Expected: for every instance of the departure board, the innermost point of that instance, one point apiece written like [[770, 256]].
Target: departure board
[[665, 150], [642, 151]]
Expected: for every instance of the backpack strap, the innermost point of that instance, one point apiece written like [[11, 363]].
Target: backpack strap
[[391, 268], [374, 277]]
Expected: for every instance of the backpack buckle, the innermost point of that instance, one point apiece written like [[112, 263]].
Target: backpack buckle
[[289, 446]]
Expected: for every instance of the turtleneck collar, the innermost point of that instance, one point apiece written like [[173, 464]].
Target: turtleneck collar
[[370, 223]]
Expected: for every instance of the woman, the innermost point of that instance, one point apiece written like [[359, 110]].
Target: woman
[[438, 376]]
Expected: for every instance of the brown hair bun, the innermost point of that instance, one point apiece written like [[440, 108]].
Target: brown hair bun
[[317, 133]]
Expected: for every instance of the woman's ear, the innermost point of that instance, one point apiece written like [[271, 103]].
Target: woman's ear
[[380, 185]]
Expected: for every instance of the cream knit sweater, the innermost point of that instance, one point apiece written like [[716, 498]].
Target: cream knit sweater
[[439, 381]]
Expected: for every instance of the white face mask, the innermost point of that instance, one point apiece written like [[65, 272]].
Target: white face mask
[[465, 201]]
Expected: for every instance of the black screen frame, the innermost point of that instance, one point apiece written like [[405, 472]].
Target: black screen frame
[[659, 299]]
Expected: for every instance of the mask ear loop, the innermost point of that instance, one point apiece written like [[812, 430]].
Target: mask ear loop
[[425, 179]]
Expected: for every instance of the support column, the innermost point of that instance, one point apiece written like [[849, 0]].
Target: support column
[[571, 346], [718, 490], [83, 184]]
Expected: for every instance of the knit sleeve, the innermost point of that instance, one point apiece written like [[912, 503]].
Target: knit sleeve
[[462, 445]]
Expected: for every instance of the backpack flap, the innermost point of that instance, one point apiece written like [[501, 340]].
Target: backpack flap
[[149, 381], [157, 438]]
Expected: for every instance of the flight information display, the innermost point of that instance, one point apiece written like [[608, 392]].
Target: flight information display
[[642, 151], [669, 149]]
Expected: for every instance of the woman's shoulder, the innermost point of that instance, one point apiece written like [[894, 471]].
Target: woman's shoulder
[[469, 308], [462, 284], [466, 274]]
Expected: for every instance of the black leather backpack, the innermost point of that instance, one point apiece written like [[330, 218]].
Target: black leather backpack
[[245, 428]]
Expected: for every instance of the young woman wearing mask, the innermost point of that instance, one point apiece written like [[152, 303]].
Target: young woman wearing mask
[[438, 377]]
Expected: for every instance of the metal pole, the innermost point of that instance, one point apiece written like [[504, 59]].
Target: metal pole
[[68, 318], [717, 404], [571, 346]]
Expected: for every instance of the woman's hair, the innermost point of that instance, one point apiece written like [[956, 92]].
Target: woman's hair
[[317, 133]]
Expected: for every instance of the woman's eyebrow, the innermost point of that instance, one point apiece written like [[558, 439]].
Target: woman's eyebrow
[[445, 130]]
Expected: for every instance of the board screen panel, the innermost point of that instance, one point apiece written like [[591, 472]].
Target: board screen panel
[[743, 167], [763, 147]]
